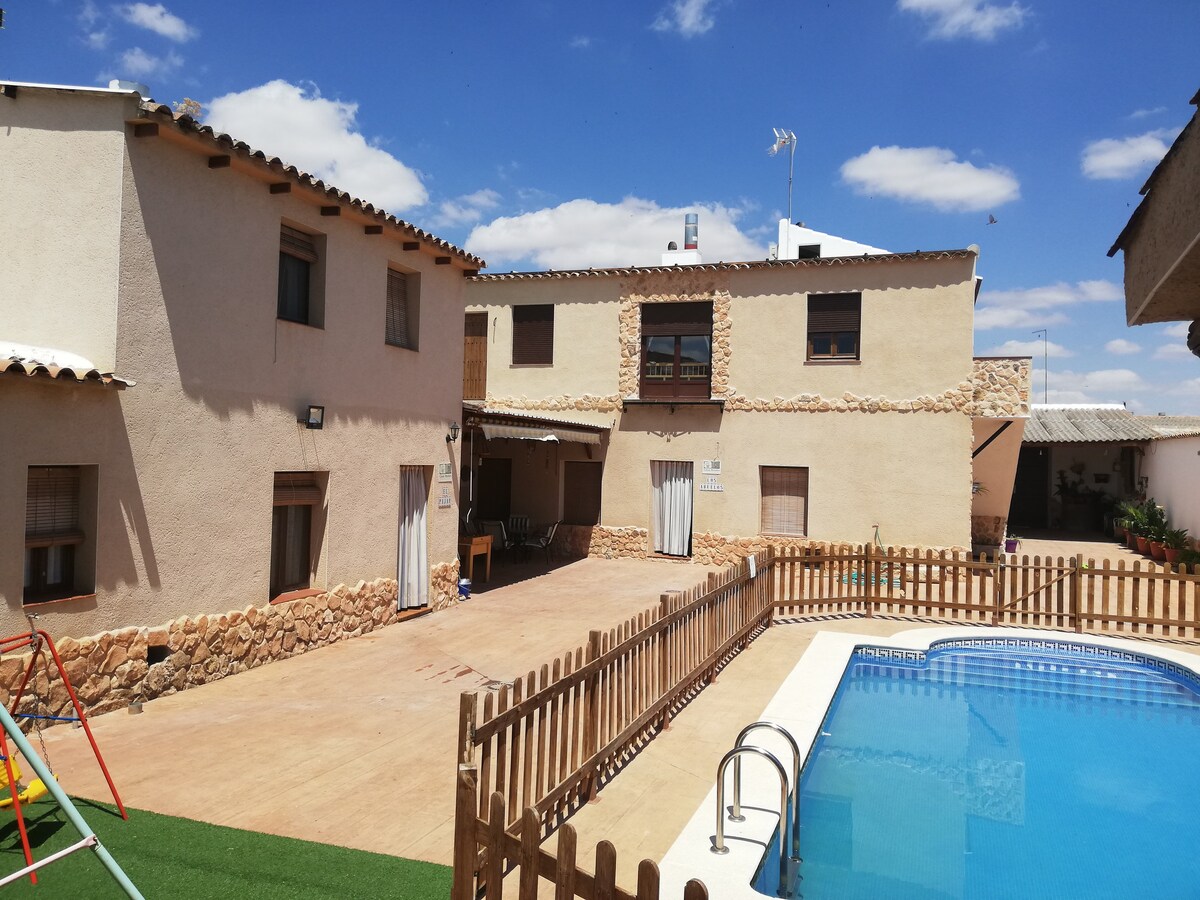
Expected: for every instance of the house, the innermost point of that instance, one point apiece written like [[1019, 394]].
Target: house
[[688, 409], [1078, 461], [1161, 241], [225, 387]]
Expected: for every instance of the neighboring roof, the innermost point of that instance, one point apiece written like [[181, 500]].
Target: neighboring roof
[[480, 413], [1173, 426], [165, 116], [1126, 232], [727, 267], [521, 425], [1069, 424], [80, 375]]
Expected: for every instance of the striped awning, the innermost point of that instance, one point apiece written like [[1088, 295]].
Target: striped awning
[[553, 433]]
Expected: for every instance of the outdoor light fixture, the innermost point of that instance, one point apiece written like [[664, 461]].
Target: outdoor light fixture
[[453, 435], [314, 418]]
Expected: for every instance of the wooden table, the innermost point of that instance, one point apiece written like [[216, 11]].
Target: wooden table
[[472, 545]]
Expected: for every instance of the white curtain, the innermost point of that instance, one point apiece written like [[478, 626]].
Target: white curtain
[[672, 506], [413, 574]]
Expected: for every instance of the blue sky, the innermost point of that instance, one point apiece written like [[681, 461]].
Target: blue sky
[[559, 134]]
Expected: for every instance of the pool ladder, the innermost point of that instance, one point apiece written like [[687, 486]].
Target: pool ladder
[[740, 749]]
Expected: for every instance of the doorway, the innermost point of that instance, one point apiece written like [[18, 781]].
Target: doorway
[[671, 507], [413, 544], [475, 356], [1031, 490], [493, 491]]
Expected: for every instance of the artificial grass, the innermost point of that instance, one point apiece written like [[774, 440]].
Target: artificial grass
[[170, 857]]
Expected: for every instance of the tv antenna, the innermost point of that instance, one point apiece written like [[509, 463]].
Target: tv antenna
[[1045, 365], [786, 138]]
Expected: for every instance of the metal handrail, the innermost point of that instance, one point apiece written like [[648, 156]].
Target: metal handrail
[[737, 780], [719, 842]]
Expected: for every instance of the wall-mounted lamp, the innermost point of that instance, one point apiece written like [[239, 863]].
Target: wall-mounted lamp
[[314, 418], [453, 435]]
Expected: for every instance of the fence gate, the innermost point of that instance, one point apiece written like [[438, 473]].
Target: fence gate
[[1039, 593]]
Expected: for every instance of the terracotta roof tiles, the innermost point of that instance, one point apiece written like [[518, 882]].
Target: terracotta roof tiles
[[34, 369]]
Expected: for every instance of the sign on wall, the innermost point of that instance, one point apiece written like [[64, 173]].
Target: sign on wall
[[710, 466], [443, 500], [711, 484], [445, 472]]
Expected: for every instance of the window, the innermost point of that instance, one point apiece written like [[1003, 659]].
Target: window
[[52, 533], [833, 326], [300, 277], [581, 493], [676, 350], [296, 494], [784, 500], [533, 335], [401, 328]]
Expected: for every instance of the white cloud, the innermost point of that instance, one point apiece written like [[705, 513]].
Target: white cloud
[[990, 317], [318, 136], [1173, 351], [1146, 113], [585, 233], [1101, 380], [580, 42], [1179, 329], [1122, 347], [1188, 388], [951, 19], [1035, 307], [156, 18], [137, 63], [1112, 158], [930, 175], [466, 209], [97, 40], [687, 18], [1029, 348]]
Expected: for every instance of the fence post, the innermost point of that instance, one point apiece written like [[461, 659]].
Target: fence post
[[664, 658], [468, 703], [1076, 592], [710, 624], [869, 578], [465, 843], [591, 713]]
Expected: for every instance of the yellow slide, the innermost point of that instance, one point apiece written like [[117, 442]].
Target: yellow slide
[[36, 790]]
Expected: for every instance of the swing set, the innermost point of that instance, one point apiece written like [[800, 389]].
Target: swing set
[[46, 781]]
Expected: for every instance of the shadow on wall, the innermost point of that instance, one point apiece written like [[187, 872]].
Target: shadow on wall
[[684, 420]]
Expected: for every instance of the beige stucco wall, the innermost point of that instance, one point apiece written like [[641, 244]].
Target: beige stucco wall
[[186, 458], [1172, 469], [995, 469], [60, 202], [887, 440]]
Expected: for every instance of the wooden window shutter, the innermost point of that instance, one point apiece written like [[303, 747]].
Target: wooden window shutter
[[784, 500], [533, 335], [296, 243], [834, 312], [52, 506], [398, 333], [677, 318], [296, 489]]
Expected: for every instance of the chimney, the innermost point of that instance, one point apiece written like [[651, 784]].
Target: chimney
[[690, 254]]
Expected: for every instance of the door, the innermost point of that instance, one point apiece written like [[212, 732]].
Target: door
[[493, 492], [1031, 491], [413, 550], [671, 507], [475, 356]]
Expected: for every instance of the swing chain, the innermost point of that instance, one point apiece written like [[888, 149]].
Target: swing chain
[[33, 689]]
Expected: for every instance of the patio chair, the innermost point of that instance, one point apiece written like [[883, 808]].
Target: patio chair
[[543, 540], [500, 538], [518, 527]]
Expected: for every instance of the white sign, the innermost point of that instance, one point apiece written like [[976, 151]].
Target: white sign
[[711, 484], [753, 566], [710, 466], [443, 502], [445, 472], [445, 493]]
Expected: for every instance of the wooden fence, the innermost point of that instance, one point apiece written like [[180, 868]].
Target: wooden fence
[[546, 744], [535, 750], [1159, 601]]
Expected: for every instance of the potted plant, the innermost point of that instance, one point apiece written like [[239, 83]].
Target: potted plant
[[1011, 542], [1156, 525], [1136, 524], [1175, 541]]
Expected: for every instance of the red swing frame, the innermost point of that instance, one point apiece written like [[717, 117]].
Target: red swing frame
[[39, 640]]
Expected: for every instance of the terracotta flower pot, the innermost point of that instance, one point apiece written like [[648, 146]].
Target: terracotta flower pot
[[1130, 540], [1143, 544], [1172, 555], [1158, 551]]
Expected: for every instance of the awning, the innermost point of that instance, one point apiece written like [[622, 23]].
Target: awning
[[493, 431]]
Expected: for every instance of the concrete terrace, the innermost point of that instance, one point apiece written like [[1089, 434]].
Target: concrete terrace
[[353, 744]]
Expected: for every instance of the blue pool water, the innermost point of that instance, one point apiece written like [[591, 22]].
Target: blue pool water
[[989, 771]]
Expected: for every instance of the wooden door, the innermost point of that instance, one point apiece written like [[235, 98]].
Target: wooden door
[[493, 493], [475, 356]]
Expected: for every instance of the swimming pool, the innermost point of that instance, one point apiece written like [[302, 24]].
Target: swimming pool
[[1138, 795], [1004, 767]]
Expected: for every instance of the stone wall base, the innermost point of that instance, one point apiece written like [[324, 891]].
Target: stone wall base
[[988, 529], [111, 670]]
